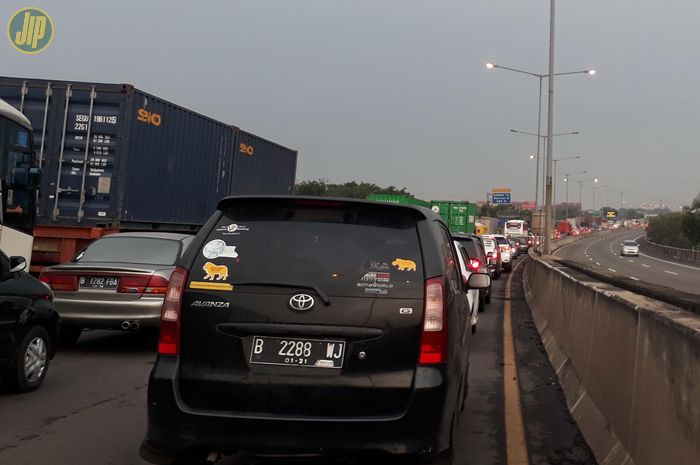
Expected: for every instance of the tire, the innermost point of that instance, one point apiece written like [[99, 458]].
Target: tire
[[33, 352], [507, 268], [473, 328], [192, 459], [69, 335], [482, 304], [488, 297]]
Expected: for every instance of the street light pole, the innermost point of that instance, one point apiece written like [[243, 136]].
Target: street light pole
[[621, 194], [550, 126], [567, 178], [539, 136], [590, 72]]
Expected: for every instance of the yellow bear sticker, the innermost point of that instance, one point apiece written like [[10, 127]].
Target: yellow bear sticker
[[404, 265], [215, 272]]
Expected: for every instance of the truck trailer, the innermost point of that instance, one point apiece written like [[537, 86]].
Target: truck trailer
[[115, 158]]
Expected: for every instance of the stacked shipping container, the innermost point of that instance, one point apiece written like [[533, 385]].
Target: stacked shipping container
[[459, 216], [116, 158]]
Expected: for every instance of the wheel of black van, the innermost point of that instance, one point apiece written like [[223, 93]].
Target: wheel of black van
[[31, 361], [482, 302], [488, 297], [69, 335], [193, 458], [507, 268]]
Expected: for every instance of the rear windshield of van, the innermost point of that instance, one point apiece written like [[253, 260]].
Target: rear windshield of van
[[343, 250]]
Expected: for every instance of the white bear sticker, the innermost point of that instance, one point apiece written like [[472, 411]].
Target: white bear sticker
[[218, 249]]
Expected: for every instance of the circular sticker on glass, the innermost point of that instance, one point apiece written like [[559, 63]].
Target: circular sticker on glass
[[218, 248]]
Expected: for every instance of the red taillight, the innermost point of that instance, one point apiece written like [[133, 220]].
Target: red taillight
[[158, 285], [132, 284], [140, 284], [474, 264], [169, 335], [60, 281], [433, 342]]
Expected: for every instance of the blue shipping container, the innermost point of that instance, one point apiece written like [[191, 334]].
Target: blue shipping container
[[114, 156]]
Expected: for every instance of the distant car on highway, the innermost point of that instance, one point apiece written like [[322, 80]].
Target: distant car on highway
[[117, 282], [28, 326], [629, 248], [474, 295], [493, 256], [524, 244], [505, 249], [339, 326], [514, 247], [477, 260]]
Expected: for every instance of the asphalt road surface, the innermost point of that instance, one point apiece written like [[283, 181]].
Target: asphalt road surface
[[604, 251], [91, 408]]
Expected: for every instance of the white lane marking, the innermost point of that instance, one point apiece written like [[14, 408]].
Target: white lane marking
[[631, 261], [645, 265], [632, 277], [670, 263], [612, 270], [671, 272], [590, 258], [597, 263]]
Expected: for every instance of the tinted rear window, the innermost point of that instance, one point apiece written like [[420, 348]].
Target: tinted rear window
[[470, 246], [142, 250], [502, 241], [344, 251], [630, 244]]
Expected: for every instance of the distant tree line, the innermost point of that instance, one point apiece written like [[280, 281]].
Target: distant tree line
[[352, 189], [677, 229]]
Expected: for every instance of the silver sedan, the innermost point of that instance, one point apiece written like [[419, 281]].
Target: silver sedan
[[118, 282]]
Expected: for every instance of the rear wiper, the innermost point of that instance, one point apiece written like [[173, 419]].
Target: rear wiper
[[316, 289]]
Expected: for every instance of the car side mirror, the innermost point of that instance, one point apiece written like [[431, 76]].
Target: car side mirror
[[479, 281], [17, 264]]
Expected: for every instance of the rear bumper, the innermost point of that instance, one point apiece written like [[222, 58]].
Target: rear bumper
[[106, 314], [174, 429]]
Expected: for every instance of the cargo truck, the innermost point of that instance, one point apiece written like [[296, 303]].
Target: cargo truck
[[115, 158], [564, 228]]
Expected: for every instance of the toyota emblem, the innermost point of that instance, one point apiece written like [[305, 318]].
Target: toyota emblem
[[301, 302]]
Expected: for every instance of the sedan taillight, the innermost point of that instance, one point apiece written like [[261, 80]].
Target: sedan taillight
[[65, 282]]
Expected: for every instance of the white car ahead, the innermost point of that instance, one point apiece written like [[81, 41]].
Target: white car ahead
[[472, 294], [629, 248]]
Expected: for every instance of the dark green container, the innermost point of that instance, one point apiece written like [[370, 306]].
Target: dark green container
[[397, 198], [459, 216]]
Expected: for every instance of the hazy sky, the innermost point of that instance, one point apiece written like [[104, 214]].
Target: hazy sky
[[396, 92]]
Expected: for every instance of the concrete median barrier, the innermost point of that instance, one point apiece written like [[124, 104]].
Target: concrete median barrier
[[629, 365], [674, 253]]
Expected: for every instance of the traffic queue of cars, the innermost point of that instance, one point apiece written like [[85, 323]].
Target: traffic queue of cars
[[349, 318]]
